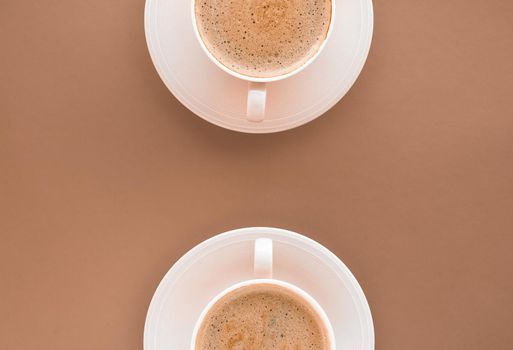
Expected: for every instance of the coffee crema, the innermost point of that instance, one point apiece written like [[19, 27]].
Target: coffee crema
[[262, 317], [263, 38]]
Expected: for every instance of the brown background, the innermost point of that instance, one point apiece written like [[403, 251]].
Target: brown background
[[106, 180]]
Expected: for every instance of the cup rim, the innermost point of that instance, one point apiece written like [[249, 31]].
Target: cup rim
[[262, 79], [291, 287]]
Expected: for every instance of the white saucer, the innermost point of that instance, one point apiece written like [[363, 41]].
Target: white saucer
[[226, 259], [221, 99]]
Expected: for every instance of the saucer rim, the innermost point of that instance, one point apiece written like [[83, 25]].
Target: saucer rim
[[292, 121], [195, 253]]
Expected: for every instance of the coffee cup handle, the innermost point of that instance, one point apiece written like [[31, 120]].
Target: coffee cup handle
[[263, 263], [257, 94]]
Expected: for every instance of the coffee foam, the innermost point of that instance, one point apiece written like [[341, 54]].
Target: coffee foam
[[263, 38], [261, 317]]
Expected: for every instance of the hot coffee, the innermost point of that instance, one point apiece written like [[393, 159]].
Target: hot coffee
[[263, 38], [262, 317]]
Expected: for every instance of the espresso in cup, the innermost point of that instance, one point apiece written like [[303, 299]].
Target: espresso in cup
[[264, 317], [263, 38]]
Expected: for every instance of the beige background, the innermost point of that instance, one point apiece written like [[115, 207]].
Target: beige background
[[106, 180]]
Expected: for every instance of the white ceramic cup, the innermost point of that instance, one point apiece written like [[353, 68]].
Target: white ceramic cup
[[257, 91], [263, 269]]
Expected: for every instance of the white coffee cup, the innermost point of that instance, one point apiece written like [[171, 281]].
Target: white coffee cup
[[257, 91], [263, 267]]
